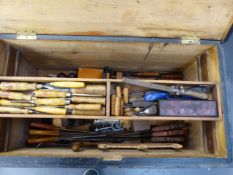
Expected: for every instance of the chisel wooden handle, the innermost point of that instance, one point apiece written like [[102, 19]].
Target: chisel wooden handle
[[46, 93], [91, 89], [42, 140], [18, 86], [98, 100], [50, 110], [12, 110], [85, 107], [118, 91], [118, 106], [43, 126], [177, 132], [10, 103], [15, 95], [113, 103], [90, 113], [126, 95], [43, 132], [68, 84], [78, 145], [51, 101]]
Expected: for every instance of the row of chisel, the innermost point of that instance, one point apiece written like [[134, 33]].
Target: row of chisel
[[77, 98]]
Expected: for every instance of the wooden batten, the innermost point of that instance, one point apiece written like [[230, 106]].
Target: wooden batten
[[169, 19]]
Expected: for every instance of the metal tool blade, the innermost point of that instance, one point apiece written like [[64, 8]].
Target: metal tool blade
[[147, 85]]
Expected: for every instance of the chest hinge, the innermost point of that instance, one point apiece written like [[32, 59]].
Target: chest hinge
[[190, 40]]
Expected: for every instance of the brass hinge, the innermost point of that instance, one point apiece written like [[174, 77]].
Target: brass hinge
[[113, 157], [26, 35], [190, 40]]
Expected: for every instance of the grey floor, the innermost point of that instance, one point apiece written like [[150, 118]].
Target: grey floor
[[116, 171]]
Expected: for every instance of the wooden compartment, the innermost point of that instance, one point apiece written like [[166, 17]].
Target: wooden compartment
[[32, 61], [197, 146]]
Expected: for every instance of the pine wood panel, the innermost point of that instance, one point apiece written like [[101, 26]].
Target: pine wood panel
[[122, 56], [168, 18]]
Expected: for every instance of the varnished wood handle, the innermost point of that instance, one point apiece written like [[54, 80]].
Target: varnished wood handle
[[118, 106], [68, 84], [51, 101], [91, 107], [89, 113], [18, 86], [43, 126], [142, 146], [126, 95], [50, 110], [12, 110], [10, 103], [43, 132], [98, 100], [42, 140], [46, 93], [200, 95], [91, 89], [14, 95]]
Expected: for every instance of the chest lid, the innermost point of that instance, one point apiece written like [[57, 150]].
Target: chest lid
[[209, 19]]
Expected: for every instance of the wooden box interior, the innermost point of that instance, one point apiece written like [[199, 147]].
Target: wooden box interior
[[40, 57]]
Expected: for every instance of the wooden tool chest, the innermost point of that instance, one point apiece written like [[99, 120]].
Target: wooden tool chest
[[58, 36]]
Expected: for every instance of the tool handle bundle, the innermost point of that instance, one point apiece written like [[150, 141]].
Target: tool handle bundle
[[61, 98]]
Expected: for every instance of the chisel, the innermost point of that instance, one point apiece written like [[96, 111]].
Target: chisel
[[33, 110], [46, 101], [22, 86], [85, 107], [49, 93]]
